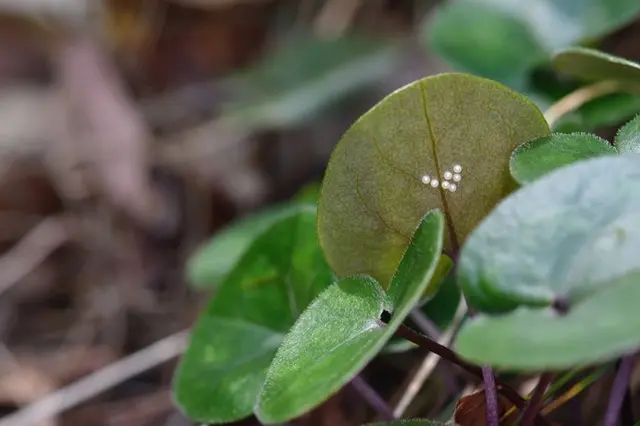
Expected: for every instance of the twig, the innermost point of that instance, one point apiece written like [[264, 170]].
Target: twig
[[374, 400], [31, 251], [491, 396], [98, 382], [429, 363], [577, 98], [535, 403], [618, 390], [424, 324], [446, 353]]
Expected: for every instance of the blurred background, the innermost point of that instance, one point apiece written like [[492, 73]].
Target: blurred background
[[131, 131]]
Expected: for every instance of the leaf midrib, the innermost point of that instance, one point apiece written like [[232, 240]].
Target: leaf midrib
[[434, 147]]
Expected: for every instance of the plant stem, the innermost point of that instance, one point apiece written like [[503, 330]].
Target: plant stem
[[577, 98], [491, 396], [372, 397], [618, 390], [446, 353], [535, 403]]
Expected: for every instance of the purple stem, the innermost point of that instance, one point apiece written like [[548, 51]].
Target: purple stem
[[374, 400], [618, 391], [491, 396]]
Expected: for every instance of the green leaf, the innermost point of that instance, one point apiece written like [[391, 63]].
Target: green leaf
[[211, 263], [235, 339], [538, 157], [595, 329], [373, 193], [560, 238], [591, 64], [505, 39], [304, 76], [628, 137], [309, 193], [440, 310], [444, 266], [476, 37], [341, 330], [610, 110]]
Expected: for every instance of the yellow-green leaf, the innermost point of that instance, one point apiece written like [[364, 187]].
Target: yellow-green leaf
[[390, 167]]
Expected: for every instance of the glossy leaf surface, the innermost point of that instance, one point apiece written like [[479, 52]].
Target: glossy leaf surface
[[387, 170], [235, 339], [341, 330]]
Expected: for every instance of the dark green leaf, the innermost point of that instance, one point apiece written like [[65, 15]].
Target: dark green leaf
[[304, 76], [538, 157], [373, 193], [444, 266], [442, 308], [505, 39], [341, 330], [628, 137], [440, 311], [559, 238], [596, 329], [234, 340], [211, 263], [591, 64]]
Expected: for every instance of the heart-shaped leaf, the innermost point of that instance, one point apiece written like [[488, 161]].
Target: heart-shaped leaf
[[538, 157], [628, 137], [505, 39], [442, 142], [558, 239], [595, 329], [235, 339], [341, 330], [591, 64]]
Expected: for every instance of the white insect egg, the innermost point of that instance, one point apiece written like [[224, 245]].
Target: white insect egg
[[445, 184], [457, 168], [426, 179], [434, 183], [452, 187], [457, 177], [447, 175]]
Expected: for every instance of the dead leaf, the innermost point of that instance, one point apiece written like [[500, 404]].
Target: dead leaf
[[471, 410], [107, 131]]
